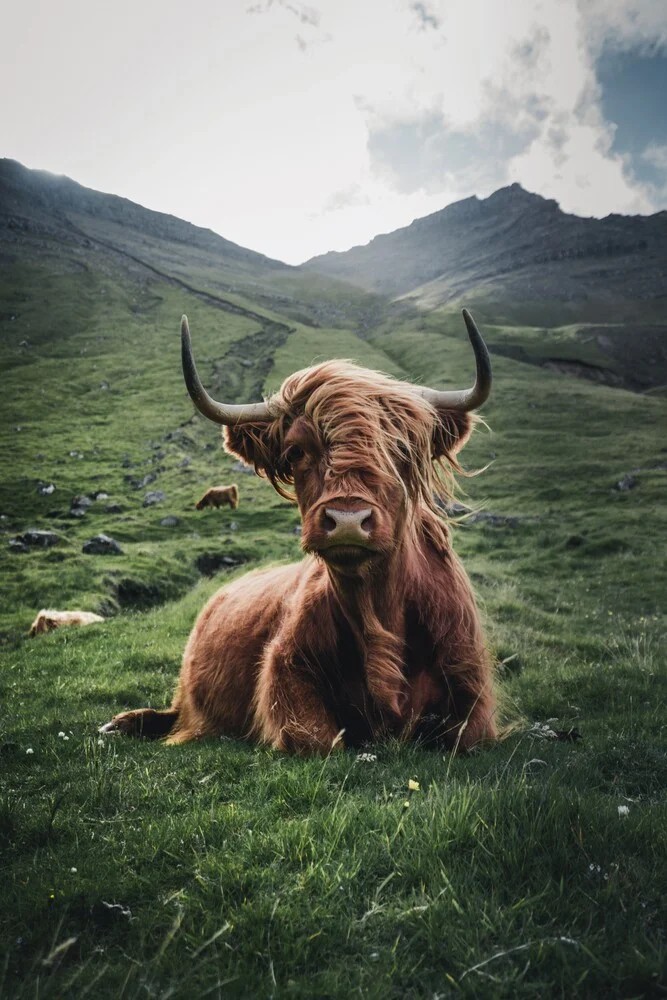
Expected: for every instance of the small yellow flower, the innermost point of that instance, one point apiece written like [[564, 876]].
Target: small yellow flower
[[413, 785]]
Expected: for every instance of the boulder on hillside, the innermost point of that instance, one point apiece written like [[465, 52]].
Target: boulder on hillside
[[36, 538], [102, 545], [170, 521], [242, 467], [152, 497]]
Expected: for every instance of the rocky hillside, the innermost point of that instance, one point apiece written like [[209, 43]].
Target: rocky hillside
[[512, 246], [53, 221], [29, 197]]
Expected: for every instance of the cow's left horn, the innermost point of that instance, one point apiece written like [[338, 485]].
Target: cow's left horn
[[221, 413], [467, 399]]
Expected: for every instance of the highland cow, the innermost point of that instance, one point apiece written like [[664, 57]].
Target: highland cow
[[218, 496], [48, 620], [375, 632]]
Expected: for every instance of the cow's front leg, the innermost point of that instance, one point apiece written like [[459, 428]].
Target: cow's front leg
[[290, 713]]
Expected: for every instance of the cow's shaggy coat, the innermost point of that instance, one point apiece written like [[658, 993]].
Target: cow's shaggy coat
[[219, 496], [356, 641], [47, 620]]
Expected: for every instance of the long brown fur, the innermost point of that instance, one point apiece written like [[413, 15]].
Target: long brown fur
[[47, 620], [218, 496], [291, 656]]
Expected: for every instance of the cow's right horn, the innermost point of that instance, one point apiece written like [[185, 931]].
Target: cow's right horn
[[221, 413], [466, 399]]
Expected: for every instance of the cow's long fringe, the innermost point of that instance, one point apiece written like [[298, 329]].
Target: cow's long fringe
[[359, 412]]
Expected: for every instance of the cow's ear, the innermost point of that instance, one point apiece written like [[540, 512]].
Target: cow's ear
[[452, 430], [253, 444]]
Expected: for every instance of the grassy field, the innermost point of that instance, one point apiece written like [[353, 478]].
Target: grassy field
[[532, 868]]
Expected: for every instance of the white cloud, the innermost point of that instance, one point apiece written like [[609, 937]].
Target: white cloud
[[301, 127]]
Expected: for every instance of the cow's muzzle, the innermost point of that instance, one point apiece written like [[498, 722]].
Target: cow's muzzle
[[342, 531]]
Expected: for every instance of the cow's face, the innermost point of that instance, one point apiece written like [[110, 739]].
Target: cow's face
[[359, 450]]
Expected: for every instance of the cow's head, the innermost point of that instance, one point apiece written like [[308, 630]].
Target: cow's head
[[361, 450]]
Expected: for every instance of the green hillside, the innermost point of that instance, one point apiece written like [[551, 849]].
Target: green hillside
[[514, 872]]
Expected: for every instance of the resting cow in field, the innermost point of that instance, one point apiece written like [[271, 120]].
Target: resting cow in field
[[48, 620], [218, 496], [376, 631]]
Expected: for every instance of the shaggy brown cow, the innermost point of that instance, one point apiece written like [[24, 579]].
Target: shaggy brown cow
[[48, 620], [376, 631], [217, 496]]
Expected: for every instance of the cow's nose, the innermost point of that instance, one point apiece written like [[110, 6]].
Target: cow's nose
[[348, 526]]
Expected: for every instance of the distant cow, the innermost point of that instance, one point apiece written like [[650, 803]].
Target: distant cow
[[376, 632], [218, 496], [47, 620]]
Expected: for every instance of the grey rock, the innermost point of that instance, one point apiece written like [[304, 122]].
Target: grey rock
[[628, 482], [113, 508], [183, 464], [170, 521], [297, 529], [152, 497], [81, 502], [242, 467], [495, 520], [139, 484], [44, 489], [77, 512], [233, 526], [38, 538], [16, 545], [102, 545], [100, 495]]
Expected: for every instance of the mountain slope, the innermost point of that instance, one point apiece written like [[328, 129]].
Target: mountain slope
[[512, 245], [48, 218]]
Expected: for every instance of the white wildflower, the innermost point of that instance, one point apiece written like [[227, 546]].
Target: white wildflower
[[29, 750], [623, 810], [74, 870], [367, 758]]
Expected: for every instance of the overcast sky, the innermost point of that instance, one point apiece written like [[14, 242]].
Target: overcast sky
[[294, 128]]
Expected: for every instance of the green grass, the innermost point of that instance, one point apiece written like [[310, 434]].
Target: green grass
[[509, 873]]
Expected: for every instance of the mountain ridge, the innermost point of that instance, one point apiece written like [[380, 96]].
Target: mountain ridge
[[23, 188], [472, 243]]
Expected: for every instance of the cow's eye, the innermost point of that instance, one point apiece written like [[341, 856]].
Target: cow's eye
[[294, 454]]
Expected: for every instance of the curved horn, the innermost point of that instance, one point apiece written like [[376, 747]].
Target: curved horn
[[467, 399], [221, 413]]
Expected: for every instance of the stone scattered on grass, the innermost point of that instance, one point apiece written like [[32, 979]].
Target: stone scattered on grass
[[153, 497], [628, 482], [170, 521], [44, 489], [99, 495], [208, 563], [79, 506], [37, 538], [242, 467], [102, 545], [113, 508], [16, 545], [139, 484]]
